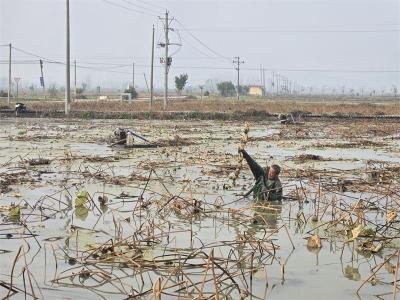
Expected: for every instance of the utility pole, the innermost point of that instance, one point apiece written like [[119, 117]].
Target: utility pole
[[277, 84], [152, 70], [133, 75], [145, 80], [9, 76], [262, 80], [167, 60], [75, 77], [201, 92], [68, 87], [272, 83], [237, 62], [263, 83], [41, 75]]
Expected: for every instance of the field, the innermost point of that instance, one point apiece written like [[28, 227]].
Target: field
[[319, 106], [82, 219]]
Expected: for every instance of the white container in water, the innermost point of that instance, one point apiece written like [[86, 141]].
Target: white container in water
[[129, 139]]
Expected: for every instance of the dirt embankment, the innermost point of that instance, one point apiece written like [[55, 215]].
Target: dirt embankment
[[210, 109]]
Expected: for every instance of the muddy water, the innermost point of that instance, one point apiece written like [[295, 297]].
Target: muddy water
[[82, 160]]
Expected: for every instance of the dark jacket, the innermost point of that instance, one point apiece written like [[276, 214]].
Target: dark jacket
[[264, 188]]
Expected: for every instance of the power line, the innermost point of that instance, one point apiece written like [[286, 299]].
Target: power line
[[198, 50], [139, 6], [32, 54], [82, 66], [51, 61], [203, 44], [152, 4], [240, 30], [112, 66], [128, 8], [329, 70], [179, 44], [19, 62], [129, 58]]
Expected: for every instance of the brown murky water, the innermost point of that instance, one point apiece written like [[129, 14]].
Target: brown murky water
[[166, 208]]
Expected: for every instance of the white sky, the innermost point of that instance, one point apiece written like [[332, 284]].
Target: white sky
[[296, 38]]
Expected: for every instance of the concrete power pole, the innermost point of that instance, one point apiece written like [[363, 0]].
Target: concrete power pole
[[264, 89], [67, 82], [201, 91], [237, 62], [262, 80], [41, 77], [133, 75], [166, 60], [152, 70], [75, 77], [9, 76], [272, 83], [278, 83]]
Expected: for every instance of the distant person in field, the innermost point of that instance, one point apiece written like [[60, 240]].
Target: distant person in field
[[267, 186]]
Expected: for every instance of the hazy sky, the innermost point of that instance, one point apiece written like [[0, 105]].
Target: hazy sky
[[308, 41]]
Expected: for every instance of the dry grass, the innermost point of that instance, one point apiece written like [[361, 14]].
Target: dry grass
[[225, 106]]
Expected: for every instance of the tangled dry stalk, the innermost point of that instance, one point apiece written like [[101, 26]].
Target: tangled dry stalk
[[156, 233]]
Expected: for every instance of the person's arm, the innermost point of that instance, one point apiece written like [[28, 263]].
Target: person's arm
[[255, 168]]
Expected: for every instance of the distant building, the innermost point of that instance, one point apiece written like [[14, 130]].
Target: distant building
[[256, 90], [126, 96]]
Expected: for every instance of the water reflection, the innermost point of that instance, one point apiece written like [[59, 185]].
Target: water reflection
[[352, 273], [267, 214], [81, 212]]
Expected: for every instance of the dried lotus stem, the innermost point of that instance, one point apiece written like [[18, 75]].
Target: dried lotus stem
[[245, 139]]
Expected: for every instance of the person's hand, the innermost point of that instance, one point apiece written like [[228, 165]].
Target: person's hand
[[246, 128], [241, 148]]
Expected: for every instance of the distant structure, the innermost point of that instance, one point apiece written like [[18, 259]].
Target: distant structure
[[126, 96], [256, 90]]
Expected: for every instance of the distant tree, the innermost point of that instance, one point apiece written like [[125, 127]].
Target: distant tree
[[53, 91], [32, 89], [180, 82], [3, 93], [244, 89], [206, 93], [81, 90], [84, 86], [131, 90], [209, 85], [226, 88]]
